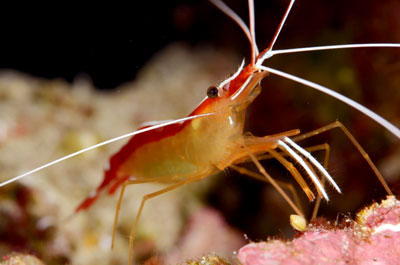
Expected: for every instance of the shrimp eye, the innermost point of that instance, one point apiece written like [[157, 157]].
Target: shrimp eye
[[212, 92]]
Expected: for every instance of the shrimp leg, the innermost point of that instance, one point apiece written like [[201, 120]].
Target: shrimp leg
[[263, 144], [251, 146], [311, 149], [295, 173], [131, 182], [262, 170], [338, 124], [320, 147], [258, 176], [152, 195], [325, 147], [293, 170]]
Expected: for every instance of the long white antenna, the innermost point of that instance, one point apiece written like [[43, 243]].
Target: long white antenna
[[329, 47], [101, 144], [389, 126], [278, 30], [230, 13], [254, 48]]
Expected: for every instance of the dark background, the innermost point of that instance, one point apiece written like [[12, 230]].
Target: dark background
[[111, 42]]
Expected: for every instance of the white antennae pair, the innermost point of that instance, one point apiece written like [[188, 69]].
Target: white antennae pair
[[269, 52]]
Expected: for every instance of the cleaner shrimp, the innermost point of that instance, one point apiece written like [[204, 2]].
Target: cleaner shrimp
[[211, 138]]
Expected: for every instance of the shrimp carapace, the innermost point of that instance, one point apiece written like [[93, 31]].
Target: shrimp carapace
[[229, 114]]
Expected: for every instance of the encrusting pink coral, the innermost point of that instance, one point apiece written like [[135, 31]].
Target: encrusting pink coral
[[374, 238]]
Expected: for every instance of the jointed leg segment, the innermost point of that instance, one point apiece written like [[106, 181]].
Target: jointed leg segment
[[291, 149], [327, 150], [144, 199], [126, 183], [338, 124], [272, 181], [288, 185], [321, 147], [295, 173], [252, 145], [286, 148]]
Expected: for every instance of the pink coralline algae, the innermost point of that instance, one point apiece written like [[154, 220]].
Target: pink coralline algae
[[374, 238]]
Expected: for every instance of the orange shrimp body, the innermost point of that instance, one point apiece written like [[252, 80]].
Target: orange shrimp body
[[201, 146]]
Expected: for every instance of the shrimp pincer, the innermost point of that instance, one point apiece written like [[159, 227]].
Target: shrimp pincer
[[212, 138]]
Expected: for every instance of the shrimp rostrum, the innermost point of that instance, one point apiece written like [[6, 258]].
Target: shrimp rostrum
[[211, 138]]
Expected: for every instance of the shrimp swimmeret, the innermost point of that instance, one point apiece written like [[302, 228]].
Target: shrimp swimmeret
[[211, 138]]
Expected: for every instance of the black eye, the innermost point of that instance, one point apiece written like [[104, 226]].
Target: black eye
[[212, 92]]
